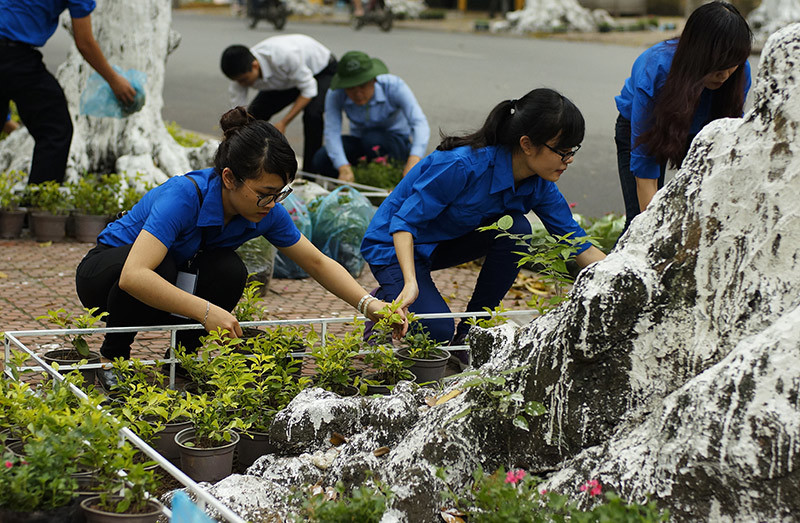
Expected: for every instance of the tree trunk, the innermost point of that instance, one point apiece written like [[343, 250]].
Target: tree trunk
[[132, 35]]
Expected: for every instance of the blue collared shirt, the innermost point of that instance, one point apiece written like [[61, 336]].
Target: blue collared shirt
[[34, 21], [450, 193], [392, 108], [172, 213], [635, 102]]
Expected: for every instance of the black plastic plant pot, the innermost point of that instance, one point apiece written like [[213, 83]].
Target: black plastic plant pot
[[430, 369], [93, 514], [206, 464]]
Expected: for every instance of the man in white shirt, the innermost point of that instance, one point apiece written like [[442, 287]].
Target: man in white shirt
[[287, 69]]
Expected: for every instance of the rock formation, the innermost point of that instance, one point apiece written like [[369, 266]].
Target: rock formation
[[553, 15], [770, 16], [139, 142], [673, 371]]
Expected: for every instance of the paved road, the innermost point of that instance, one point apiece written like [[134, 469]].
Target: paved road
[[456, 77]]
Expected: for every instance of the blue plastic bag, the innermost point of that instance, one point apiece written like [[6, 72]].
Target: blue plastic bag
[[184, 511], [339, 225], [284, 267], [97, 98]]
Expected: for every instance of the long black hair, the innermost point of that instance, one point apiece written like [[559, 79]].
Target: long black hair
[[716, 37], [251, 147], [541, 115]]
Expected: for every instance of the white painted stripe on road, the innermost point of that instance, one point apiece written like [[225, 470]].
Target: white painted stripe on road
[[445, 52]]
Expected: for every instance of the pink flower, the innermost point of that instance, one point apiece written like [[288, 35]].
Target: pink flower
[[593, 486], [362, 159], [543, 491], [376, 148], [572, 205], [9, 464], [380, 159], [514, 476]]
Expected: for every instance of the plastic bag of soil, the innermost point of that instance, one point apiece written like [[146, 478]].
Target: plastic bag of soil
[[284, 267], [258, 256], [339, 224], [97, 98]]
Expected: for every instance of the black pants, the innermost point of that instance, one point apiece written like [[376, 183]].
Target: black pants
[[221, 280], [622, 137], [41, 105], [267, 103]]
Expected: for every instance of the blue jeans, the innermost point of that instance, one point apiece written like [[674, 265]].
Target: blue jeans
[[395, 146], [497, 274]]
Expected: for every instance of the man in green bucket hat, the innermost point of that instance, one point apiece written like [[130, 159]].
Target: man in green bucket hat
[[386, 121]]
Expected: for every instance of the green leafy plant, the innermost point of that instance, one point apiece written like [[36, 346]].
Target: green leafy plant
[[497, 398], [494, 320], [249, 308], [67, 320], [515, 496], [418, 342], [96, 194], [129, 492], [381, 172], [548, 255], [388, 368], [183, 137], [335, 361], [10, 197], [213, 418], [364, 504], [49, 196]]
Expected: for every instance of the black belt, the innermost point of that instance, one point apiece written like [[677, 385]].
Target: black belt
[[5, 42]]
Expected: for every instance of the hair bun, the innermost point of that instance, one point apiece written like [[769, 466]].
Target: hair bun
[[233, 120]]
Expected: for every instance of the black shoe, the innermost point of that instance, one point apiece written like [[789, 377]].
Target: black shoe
[[107, 379]]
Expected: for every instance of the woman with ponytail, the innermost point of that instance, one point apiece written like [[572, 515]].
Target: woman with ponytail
[[191, 225], [507, 167], [676, 87]]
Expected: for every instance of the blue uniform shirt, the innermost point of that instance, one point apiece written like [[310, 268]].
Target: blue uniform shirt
[[34, 21], [392, 108], [172, 213], [635, 102], [450, 193]]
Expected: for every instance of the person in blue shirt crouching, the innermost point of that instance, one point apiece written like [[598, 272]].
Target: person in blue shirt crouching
[[385, 118], [509, 166], [192, 224]]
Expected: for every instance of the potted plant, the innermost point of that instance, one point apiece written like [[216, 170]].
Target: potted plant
[[206, 448], [335, 363], [428, 359], [48, 216], [12, 216], [123, 497], [40, 486], [249, 308], [272, 387], [94, 199], [386, 368], [79, 353]]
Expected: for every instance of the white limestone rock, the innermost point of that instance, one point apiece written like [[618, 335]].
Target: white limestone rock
[[98, 143], [772, 15], [553, 15]]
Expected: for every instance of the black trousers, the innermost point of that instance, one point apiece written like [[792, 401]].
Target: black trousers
[[267, 103], [41, 105], [221, 279]]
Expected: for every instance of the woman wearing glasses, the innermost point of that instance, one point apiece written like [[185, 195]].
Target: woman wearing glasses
[[191, 225], [676, 87], [507, 167]]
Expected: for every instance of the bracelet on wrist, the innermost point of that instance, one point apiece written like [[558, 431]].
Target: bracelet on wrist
[[208, 307], [366, 304], [361, 302]]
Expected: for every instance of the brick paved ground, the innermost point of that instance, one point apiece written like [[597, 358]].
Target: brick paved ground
[[35, 278]]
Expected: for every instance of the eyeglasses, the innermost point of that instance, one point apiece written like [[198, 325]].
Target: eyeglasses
[[567, 155], [266, 199]]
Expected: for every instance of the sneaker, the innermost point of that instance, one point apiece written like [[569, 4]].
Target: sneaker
[[107, 379]]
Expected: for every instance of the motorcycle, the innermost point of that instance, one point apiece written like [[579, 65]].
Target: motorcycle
[[375, 12], [274, 11]]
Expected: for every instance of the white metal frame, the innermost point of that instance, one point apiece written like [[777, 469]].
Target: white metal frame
[[11, 339]]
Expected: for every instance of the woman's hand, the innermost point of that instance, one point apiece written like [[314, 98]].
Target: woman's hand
[[399, 329], [408, 295], [219, 318]]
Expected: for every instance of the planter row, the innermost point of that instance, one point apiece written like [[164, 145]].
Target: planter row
[[52, 227]]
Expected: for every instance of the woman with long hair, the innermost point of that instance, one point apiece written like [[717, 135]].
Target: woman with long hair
[[507, 167], [191, 225], [676, 87]]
